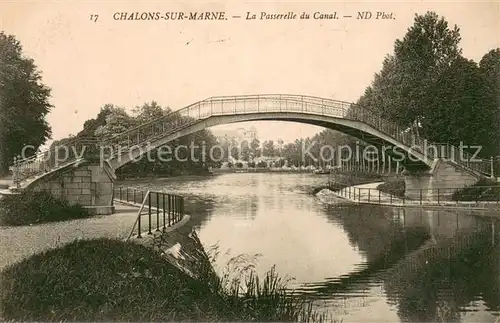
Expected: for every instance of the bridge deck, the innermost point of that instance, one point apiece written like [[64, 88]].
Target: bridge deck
[[331, 113]]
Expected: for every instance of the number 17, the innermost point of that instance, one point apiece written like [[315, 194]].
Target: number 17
[[94, 17]]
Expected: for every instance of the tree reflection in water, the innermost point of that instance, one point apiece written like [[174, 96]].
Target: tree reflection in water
[[428, 272]]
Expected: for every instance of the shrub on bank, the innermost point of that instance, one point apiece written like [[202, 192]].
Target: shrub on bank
[[394, 186], [262, 164], [483, 190], [31, 207], [111, 280]]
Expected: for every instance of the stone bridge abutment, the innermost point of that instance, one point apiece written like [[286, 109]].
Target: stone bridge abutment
[[442, 180]]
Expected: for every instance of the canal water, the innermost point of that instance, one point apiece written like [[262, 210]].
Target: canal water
[[359, 263]]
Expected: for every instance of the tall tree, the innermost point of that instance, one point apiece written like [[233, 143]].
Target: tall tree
[[380, 96], [490, 68], [150, 111], [245, 151], [268, 148], [428, 48], [91, 125], [463, 108], [24, 103], [255, 148], [117, 121], [291, 153]]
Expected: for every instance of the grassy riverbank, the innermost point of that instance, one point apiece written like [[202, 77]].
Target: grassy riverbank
[[339, 181], [113, 280], [30, 207], [483, 190], [357, 178]]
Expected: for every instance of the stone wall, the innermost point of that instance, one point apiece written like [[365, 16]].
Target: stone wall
[[449, 177], [88, 185], [182, 247], [417, 185], [443, 179]]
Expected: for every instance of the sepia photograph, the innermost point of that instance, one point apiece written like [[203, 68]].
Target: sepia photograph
[[249, 161]]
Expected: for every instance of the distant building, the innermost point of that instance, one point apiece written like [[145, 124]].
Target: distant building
[[239, 134]]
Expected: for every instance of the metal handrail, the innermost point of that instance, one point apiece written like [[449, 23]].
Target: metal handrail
[[42, 162], [166, 208], [472, 195]]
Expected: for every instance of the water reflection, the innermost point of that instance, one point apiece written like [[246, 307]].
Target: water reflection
[[365, 263], [447, 280]]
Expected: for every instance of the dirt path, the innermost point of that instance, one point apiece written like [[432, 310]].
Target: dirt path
[[20, 242]]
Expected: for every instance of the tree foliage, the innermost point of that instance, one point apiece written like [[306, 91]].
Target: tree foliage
[[490, 68], [185, 160], [90, 126], [24, 103], [463, 108], [150, 111], [117, 121], [427, 49], [426, 84], [268, 148]]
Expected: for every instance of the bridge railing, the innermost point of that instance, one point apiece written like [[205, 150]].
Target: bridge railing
[[462, 157], [159, 210], [477, 196], [267, 103], [53, 158], [247, 104]]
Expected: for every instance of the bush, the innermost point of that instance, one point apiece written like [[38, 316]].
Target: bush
[[394, 186], [37, 207], [111, 280], [483, 190], [262, 164], [239, 165]]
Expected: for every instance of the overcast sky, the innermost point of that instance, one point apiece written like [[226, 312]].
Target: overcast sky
[[88, 64]]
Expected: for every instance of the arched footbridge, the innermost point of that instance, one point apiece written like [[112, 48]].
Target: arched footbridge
[[348, 118]]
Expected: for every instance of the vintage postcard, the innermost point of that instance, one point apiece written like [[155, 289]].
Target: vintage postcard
[[279, 161]]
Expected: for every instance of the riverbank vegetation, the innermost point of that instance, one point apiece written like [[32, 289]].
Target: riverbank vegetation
[[483, 190], [112, 280], [30, 207], [394, 186], [351, 178], [428, 87], [24, 104]]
